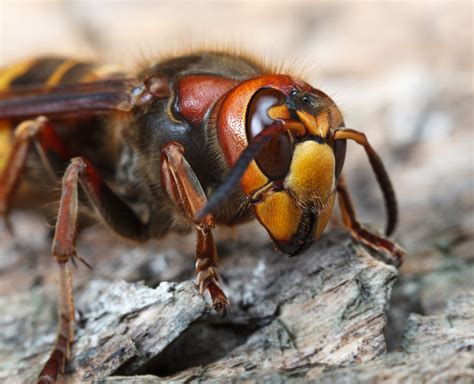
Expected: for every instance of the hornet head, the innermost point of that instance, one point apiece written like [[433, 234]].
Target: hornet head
[[276, 134]]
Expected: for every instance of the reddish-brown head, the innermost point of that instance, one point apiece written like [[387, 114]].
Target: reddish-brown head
[[292, 180]]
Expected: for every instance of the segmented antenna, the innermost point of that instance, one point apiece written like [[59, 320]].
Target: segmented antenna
[[236, 173], [380, 173]]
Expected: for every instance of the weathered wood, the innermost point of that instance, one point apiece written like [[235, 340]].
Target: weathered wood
[[452, 329], [121, 324], [438, 349], [323, 309], [319, 316]]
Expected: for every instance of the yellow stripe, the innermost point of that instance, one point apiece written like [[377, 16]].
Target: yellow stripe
[[59, 73], [101, 72], [107, 70], [8, 75], [5, 143], [11, 73]]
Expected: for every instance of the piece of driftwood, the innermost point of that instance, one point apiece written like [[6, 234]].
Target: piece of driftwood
[[437, 349], [321, 310], [320, 316], [119, 323]]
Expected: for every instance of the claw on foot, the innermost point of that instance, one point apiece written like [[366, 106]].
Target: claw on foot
[[220, 303], [393, 253]]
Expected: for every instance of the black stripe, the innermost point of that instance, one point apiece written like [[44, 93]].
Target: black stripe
[[38, 73], [76, 73]]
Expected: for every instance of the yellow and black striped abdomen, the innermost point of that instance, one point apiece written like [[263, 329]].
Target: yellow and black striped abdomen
[[51, 71], [47, 72]]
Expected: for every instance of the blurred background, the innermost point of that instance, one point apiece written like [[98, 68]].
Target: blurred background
[[402, 72]]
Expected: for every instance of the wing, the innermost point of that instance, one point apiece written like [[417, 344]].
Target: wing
[[74, 99]]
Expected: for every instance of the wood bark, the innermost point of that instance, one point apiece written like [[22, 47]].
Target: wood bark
[[323, 309], [320, 316]]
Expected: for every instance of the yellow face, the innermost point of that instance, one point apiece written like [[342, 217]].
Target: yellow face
[[295, 198]]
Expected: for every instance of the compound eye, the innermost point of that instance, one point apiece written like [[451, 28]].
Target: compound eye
[[339, 149], [274, 159]]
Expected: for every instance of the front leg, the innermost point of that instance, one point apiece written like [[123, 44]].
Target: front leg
[[206, 269], [394, 252], [183, 188]]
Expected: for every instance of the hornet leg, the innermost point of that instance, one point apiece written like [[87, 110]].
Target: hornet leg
[[115, 213], [183, 188], [394, 253], [47, 144]]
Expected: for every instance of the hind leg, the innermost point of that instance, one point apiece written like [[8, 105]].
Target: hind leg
[[115, 213]]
